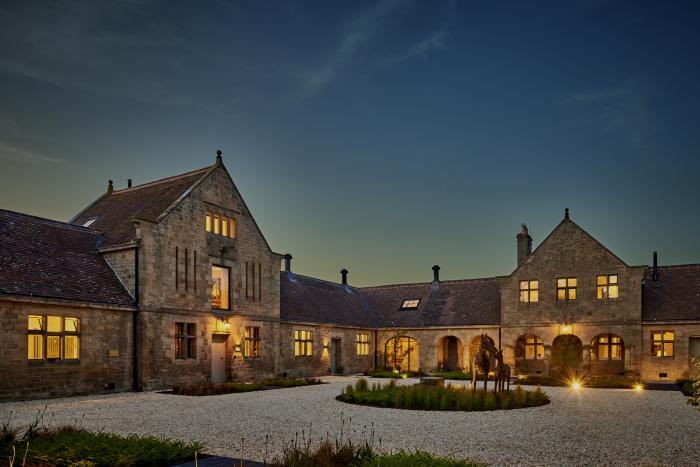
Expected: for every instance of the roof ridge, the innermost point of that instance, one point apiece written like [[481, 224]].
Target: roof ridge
[[162, 180], [427, 284], [677, 266], [52, 221], [319, 280]]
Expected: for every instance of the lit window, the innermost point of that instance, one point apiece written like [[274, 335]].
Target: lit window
[[219, 287], [185, 341], [410, 304], [232, 228], [566, 288], [662, 343], [303, 343], [609, 347], [208, 222], [607, 287], [224, 226], [90, 222], [529, 291], [53, 338], [217, 224], [363, 344], [252, 342], [534, 348]]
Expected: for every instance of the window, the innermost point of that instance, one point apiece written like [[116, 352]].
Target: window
[[609, 347], [208, 222], [566, 288], [224, 226], [53, 338], [251, 346], [185, 341], [219, 287], [89, 222], [217, 224], [410, 304], [303, 343], [529, 291], [363, 344], [220, 224], [534, 348], [662, 343], [232, 228], [606, 287]]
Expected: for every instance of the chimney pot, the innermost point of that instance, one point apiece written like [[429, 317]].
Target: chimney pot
[[128, 182], [288, 262], [219, 160], [110, 186], [344, 274], [655, 271], [436, 273], [566, 213]]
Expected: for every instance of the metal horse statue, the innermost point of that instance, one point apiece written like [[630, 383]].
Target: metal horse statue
[[502, 373], [482, 361]]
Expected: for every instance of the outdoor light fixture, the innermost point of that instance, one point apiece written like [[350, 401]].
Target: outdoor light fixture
[[325, 343], [227, 325], [566, 329], [638, 387], [576, 385]]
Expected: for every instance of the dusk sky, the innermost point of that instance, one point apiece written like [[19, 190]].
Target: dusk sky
[[383, 137]]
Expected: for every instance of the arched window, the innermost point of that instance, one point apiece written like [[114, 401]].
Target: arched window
[[401, 353], [609, 347], [534, 348]]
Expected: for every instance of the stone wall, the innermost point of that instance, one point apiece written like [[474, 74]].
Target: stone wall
[[105, 352], [123, 264], [674, 367]]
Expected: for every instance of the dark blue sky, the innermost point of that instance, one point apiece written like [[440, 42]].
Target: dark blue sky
[[383, 137]]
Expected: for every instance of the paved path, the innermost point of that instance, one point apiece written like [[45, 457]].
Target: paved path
[[595, 426]]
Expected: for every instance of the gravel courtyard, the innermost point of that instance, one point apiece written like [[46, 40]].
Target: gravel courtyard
[[595, 426]]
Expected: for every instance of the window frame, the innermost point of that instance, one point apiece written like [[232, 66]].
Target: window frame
[[661, 342], [567, 289], [537, 343], [303, 343], [362, 344], [602, 289], [529, 291], [228, 286], [609, 344], [44, 334], [251, 342], [185, 341], [403, 306]]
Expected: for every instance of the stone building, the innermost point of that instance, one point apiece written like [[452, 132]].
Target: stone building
[[173, 282]]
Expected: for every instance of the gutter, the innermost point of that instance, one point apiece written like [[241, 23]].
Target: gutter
[[136, 351]]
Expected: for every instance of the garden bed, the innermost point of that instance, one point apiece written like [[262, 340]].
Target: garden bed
[[447, 398], [231, 388]]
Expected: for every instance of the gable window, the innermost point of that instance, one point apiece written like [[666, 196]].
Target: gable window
[[251, 346], [609, 347], [207, 223], [220, 224], [529, 291], [662, 343], [363, 344], [606, 287], [220, 288], [224, 226], [303, 343], [217, 224], [410, 304], [53, 338], [566, 288], [534, 348], [185, 341]]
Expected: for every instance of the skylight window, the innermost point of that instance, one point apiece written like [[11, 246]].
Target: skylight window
[[90, 222], [410, 304]]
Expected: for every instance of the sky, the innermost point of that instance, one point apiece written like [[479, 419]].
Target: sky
[[383, 137]]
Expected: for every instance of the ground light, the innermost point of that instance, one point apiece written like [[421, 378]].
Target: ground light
[[638, 387], [576, 385]]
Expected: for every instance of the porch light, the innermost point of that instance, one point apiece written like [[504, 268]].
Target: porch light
[[325, 343], [227, 325], [566, 329]]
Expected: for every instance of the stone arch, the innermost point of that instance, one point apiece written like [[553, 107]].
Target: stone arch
[[402, 353], [567, 355], [529, 354], [474, 349], [607, 355], [450, 352]]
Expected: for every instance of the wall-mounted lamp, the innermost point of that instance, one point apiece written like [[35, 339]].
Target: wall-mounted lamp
[[227, 325], [325, 343], [566, 329], [237, 348]]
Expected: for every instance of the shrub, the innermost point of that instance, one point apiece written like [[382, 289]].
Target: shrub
[[454, 375], [229, 388], [422, 397], [691, 388]]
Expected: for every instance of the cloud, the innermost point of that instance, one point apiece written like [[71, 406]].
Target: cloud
[[14, 154]]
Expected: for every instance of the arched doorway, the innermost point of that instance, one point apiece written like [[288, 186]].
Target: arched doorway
[[401, 353], [474, 349], [567, 355], [529, 354], [607, 355], [450, 354]]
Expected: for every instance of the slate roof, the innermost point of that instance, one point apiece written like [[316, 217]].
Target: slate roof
[[675, 296], [453, 303], [114, 211], [45, 258]]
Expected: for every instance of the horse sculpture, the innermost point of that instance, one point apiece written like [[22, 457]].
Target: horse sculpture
[[482, 361], [502, 373]]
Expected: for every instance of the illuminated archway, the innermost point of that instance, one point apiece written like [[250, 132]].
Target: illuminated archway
[[567, 355], [450, 354], [401, 353]]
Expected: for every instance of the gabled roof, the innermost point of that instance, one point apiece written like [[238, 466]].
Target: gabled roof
[[45, 258], [674, 296], [113, 212], [452, 303]]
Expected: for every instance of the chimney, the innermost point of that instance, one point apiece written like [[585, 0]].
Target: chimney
[[288, 262], [110, 186], [566, 213], [219, 161], [344, 274], [436, 273], [655, 270], [524, 241], [128, 182]]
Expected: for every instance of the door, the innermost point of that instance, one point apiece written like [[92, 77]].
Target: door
[[335, 356], [218, 358], [694, 351]]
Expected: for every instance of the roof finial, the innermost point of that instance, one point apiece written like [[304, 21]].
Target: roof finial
[[218, 157], [566, 213], [110, 186]]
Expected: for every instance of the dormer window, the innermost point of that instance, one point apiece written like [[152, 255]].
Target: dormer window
[[90, 222], [410, 304]]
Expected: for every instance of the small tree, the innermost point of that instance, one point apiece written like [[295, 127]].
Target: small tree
[[694, 399]]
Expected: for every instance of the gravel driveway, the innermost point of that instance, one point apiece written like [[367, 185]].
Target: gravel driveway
[[595, 426]]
